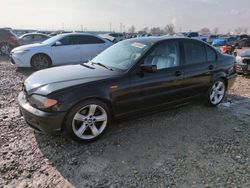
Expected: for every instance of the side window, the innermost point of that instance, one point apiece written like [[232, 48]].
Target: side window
[[86, 39], [211, 54], [166, 55], [194, 52], [28, 37], [70, 40], [38, 37]]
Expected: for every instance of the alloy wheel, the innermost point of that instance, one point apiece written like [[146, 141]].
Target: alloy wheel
[[41, 62], [5, 49], [89, 122], [217, 92]]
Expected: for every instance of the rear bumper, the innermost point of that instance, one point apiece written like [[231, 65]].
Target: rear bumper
[[45, 122]]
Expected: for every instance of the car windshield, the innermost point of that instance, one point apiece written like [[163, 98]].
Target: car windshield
[[52, 40], [123, 54]]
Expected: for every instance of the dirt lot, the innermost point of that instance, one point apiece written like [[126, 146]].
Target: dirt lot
[[192, 146]]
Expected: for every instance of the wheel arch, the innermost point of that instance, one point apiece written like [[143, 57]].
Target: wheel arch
[[104, 100], [222, 76], [40, 53]]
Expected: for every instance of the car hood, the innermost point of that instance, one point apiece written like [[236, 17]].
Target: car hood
[[49, 80], [27, 47], [245, 53]]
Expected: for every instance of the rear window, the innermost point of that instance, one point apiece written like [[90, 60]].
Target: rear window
[[194, 52]]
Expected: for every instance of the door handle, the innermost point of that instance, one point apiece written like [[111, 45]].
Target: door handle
[[178, 73], [211, 67]]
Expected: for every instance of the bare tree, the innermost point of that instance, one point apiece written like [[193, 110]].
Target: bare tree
[[131, 29], [216, 30], [156, 31], [205, 30], [239, 30], [169, 29], [145, 29], [245, 30]]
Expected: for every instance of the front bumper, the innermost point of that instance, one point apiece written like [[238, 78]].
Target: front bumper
[[243, 68], [45, 122]]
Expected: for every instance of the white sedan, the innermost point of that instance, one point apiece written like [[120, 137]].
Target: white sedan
[[70, 48]]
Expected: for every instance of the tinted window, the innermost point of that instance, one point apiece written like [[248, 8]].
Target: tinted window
[[211, 55], [114, 35], [85, 39], [40, 37], [193, 35], [70, 40], [28, 37], [165, 55], [194, 52]]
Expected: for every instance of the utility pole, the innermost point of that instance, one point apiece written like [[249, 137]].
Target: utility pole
[[124, 30], [110, 27]]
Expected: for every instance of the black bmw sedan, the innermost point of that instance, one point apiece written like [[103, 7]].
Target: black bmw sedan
[[135, 75]]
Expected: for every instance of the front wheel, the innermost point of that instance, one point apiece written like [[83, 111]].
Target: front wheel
[[40, 61], [88, 120], [216, 93]]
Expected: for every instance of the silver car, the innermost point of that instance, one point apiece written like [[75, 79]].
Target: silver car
[[32, 38]]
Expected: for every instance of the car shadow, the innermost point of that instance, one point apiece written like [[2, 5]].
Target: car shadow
[[145, 144]]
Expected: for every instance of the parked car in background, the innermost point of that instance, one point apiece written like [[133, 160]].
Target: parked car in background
[[8, 40], [243, 43], [114, 37], [131, 77], [223, 45], [243, 62], [70, 48], [244, 36], [32, 38]]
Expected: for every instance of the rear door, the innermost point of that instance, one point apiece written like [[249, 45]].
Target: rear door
[[90, 46], [197, 69], [69, 52]]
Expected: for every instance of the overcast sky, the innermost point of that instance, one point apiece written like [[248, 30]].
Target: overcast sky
[[98, 14]]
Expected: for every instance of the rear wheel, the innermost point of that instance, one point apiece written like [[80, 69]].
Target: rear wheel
[[216, 93], [88, 120], [40, 61]]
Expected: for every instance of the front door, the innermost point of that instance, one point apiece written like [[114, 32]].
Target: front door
[[164, 86], [69, 52]]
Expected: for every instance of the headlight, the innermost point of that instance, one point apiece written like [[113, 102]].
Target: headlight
[[21, 52], [42, 102]]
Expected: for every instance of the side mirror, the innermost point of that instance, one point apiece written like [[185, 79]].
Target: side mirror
[[149, 68], [58, 43]]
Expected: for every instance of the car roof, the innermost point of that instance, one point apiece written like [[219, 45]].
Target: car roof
[[76, 33], [154, 40], [26, 34]]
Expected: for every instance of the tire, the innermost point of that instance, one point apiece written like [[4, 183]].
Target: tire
[[88, 120], [5, 48], [40, 61], [216, 93]]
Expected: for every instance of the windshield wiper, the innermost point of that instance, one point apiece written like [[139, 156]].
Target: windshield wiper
[[102, 65]]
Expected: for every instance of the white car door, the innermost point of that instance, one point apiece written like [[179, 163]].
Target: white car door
[[67, 52], [91, 46]]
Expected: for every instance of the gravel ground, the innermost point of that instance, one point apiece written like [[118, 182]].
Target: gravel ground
[[192, 146]]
